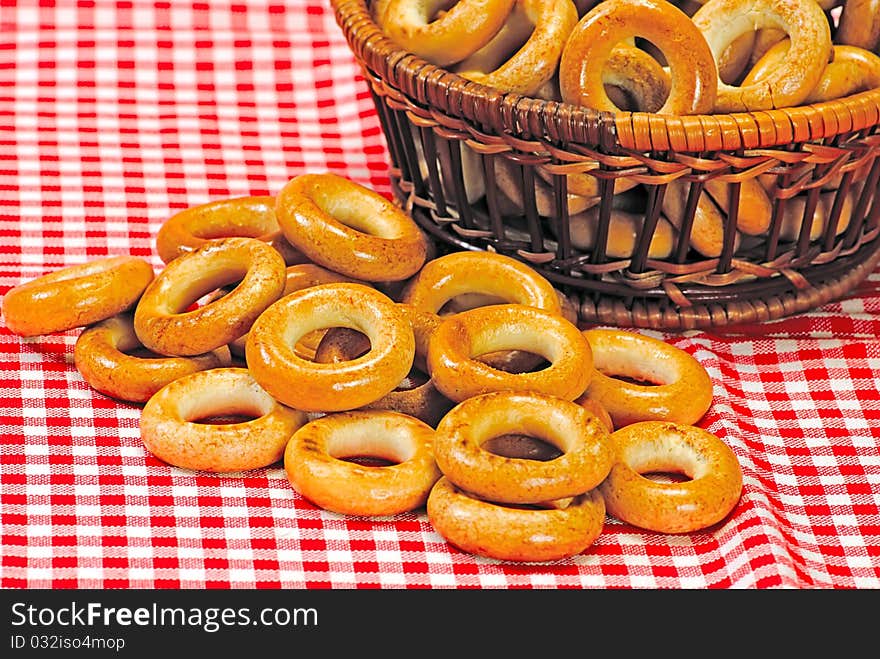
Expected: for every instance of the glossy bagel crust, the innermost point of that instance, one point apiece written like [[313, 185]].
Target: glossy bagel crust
[[459, 339], [349, 228], [249, 217], [722, 21], [170, 422], [161, 321], [333, 387], [852, 69], [676, 386], [486, 273], [712, 491], [518, 534], [102, 356], [76, 296], [584, 462], [534, 33], [296, 278], [694, 75], [416, 395], [445, 39], [859, 25], [316, 467]]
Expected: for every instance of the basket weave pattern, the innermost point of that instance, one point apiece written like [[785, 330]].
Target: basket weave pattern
[[450, 140]]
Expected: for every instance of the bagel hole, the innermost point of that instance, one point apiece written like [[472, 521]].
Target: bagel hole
[[225, 419], [652, 50], [621, 98], [440, 9], [521, 447], [212, 289], [342, 344], [514, 361], [369, 461], [642, 85], [141, 352], [666, 476], [467, 301], [206, 298], [633, 380], [413, 380]]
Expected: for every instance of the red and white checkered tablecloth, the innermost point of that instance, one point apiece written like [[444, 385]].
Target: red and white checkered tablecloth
[[115, 115]]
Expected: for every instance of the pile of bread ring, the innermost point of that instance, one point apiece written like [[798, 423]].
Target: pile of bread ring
[[676, 57], [319, 328], [680, 57]]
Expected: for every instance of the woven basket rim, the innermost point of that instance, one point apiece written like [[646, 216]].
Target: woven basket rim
[[512, 113]]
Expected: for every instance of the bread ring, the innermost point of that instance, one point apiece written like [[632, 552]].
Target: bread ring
[[164, 327], [851, 70], [173, 429], [521, 534], [416, 395], [317, 469], [485, 273], [312, 387], [754, 211], [661, 447], [859, 24], [722, 21], [734, 60], [460, 339], [644, 83], [795, 208], [249, 217], [298, 277], [442, 38], [534, 32], [584, 462], [694, 76], [76, 296], [105, 354], [624, 229], [707, 230], [665, 382], [484, 277], [348, 228], [512, 361], [467, 301], [512, 197]]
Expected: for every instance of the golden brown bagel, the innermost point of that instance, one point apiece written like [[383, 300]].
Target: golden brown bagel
[[312, 387], [162, 320], [851, 70], [76, 296], [694, 75], [173, 427], [317, 467], [524, 55], [252, 217], [106, 356], [349, 228], [711, 491], [642, 378], [442, 37], [722, 21], [514, 533]]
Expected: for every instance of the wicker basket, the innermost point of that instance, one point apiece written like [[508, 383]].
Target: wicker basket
[[458, 146]]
